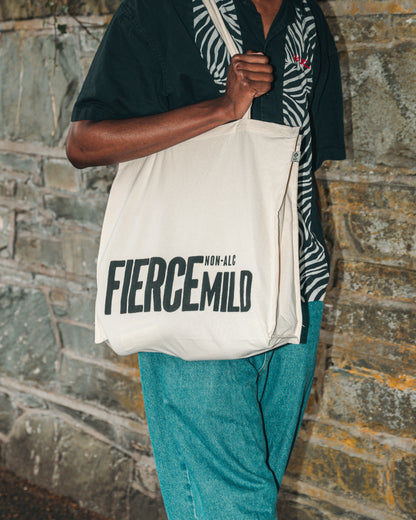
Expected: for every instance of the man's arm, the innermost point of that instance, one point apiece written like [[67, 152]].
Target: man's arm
[[92, 143]]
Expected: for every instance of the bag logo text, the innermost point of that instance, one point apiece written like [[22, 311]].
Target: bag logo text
[[153, 285]]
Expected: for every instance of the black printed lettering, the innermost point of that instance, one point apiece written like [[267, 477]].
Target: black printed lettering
[[231, 307], [154, 285], [136, 285], [209, 293], [246, 279], [190, 283], [126, 286], [112, 283], [169, 306]]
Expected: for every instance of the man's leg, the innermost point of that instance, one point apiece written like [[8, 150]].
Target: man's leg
[[208, 438], [284, 390], [222, 431]]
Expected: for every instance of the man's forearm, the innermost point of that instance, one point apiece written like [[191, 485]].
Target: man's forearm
[[113, 141]]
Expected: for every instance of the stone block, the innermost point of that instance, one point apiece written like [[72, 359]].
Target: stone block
[[99, 7], [38, 250], [14, 10], [18, 163], [81, 341], [78, 308], [6, 232], [287, 508], [89, 41], [350, 30], [56, 453], [80, 252], [372, 320], [145, 476], [404, 27], [27, 342], [31, 82], [81, 308], [368, 402], [400, 199], [361, 443], [23, 9], [376, 235], [7, 187], [7, 413], [143, 507], [380, 93], [378, 280], [89, 210], [349, 351], [337, 470], [99, 179], [404, 483], [92, 382], [134, 438], [60, 175], [28, 192]]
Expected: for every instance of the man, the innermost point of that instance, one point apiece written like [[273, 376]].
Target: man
[[222, 431]]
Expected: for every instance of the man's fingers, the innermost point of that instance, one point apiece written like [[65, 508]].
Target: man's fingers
[[249, 76], [263, 68], [250, 58], [258, 75]]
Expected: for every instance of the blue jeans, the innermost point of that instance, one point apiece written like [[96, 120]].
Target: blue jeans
[[222, 431]]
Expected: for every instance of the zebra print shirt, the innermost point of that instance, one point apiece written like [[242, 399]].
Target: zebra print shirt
[[300, 41]]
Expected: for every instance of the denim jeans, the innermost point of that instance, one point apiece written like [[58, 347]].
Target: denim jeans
[[222, 431]]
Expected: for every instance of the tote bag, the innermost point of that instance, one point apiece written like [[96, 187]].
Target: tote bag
[[198, 255]]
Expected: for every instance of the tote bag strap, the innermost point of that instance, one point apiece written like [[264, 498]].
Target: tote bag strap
[[219, 24]]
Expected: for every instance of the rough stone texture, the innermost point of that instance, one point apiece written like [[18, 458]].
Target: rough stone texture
[[368, 402], [21, 9], [61, 175], [81, 341], [89, 210], [383, 105], [395, 325], [7, 413], [71, 412], [56, 454], [27, 343], [109, 388], [376, 280], [404, 484]]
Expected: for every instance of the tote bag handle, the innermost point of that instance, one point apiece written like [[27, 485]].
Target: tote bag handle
[[218, 21], [219, 24]]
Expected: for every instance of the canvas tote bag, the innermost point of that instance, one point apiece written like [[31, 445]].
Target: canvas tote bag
[[198, 255]]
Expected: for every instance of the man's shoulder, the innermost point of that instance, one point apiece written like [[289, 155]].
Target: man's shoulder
[[153, 15]]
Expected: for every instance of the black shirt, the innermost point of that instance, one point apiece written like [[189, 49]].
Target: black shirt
[[149, 62]]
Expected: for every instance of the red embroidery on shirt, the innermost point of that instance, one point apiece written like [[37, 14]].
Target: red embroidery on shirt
[[302, 61]]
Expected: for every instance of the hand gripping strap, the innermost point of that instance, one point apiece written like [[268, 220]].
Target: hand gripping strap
[[219, 24]]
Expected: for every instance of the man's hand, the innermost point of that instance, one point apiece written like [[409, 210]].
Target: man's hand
[[112, 141], [249, 76]]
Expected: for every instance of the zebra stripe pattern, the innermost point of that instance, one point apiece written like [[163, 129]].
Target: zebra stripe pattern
[[297, 85], [212, 48]]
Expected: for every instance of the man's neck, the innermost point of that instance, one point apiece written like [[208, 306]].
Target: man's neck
[[268, 10]]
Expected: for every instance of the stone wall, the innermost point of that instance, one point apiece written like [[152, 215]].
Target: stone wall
[[71, 414]]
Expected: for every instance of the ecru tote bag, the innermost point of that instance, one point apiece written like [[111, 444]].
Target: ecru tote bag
[[198, 255]]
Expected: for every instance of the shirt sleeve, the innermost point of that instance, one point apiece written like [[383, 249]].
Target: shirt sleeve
[[327, 121], [125, 78]]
